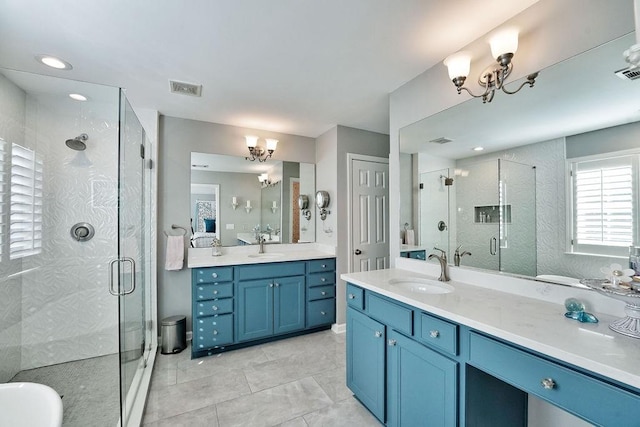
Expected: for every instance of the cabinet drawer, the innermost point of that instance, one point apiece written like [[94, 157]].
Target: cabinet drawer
[[213, 331], [355, 296], [214, 290], [216, 306], [266, 271], [319, 279], [596, 401], [213, 274], [321, 312], [321, 292], [438, 333], [319, 265], [392, 314]]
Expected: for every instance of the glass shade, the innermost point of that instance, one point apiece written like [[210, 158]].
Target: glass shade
[[271, 144], [505, 41], [252, 141], [458, 64]]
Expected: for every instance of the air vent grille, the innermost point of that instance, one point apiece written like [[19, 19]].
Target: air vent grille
[[441, 140], [628, 73], [183, 88]]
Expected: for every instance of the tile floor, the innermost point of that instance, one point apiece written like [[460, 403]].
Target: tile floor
[[297, 382]]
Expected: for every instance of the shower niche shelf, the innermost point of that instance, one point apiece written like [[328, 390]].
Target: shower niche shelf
[[490, 214]]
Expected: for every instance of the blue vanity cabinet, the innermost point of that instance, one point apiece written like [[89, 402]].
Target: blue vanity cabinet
[[366, 360], [421, 384], [212, 308], [321, 292], [272, 304]]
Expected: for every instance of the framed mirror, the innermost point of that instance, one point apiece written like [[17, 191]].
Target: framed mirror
[[514, 205], [256, 198]]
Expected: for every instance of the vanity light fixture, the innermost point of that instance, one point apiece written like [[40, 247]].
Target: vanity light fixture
[[265, 180], [53, 62], [248, 207], [234, 203], [257, 152], [274, 206], [503, 46]]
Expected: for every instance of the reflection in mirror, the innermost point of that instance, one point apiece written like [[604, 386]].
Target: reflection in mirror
[[205, 214], [518, 209], [254, 199]]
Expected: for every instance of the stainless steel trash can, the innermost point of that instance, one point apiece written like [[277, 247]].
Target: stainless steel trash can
[[174, 334]]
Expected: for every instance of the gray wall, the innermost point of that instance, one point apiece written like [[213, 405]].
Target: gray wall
[[177, 139]]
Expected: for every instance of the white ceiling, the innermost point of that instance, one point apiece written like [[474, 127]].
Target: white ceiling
[[578, 95], [292, 66]]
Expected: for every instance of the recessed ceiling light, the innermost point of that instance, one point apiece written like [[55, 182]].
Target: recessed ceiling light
[[53, 62], [478, 148], [77, 97]]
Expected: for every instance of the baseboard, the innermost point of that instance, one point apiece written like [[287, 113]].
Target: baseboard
[[339, 328]]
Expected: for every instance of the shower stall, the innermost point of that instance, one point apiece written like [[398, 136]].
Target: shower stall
[[77, 239]]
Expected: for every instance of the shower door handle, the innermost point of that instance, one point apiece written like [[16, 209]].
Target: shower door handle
[[493, 246], [116, 292]]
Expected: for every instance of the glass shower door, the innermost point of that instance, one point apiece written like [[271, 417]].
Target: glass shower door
[[132, 260]]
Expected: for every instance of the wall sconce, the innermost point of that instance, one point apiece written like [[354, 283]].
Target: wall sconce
[[248, 207], [303, 204], [234, 202], [322, 201], [257, 152], [274, 207], [504, 45], [265, 180]]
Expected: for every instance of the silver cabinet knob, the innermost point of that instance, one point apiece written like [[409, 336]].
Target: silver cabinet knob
[[322, 279], [277, 285], [323, 313], [271, 285], [323, 293], [392, 343], [378, 334], [434, 334], [352, 296], [215, 275], [215, 332], [215, 292], [200, 288], [548, 383], [324, 265], [214, 308]]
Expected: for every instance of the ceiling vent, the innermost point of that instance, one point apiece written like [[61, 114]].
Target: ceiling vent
[[183, 88], [629, 73], [441, 140]]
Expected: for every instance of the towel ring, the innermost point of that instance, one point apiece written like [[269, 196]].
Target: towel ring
[[174, 227]]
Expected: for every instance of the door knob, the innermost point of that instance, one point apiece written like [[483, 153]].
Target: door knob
[[357, 252]]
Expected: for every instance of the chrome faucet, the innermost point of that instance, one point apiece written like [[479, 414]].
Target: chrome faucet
[[458, 255], [261, 241], [444, 268], [269, 230]]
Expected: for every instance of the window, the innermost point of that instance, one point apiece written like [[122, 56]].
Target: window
[[26, 203], [3, 192], [605, 198]]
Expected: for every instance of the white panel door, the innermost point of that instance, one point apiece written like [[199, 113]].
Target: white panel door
[[369, 215]]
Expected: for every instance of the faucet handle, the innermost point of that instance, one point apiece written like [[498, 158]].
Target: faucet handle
[[458, 249], [444, 254]]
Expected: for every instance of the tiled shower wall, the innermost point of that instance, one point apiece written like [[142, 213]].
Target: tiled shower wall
[[58, 308]]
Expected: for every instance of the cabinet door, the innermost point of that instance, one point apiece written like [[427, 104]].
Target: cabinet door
[[288, 304], [422, 386], [255, 309], [366, 361]]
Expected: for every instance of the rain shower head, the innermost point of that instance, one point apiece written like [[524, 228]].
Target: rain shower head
[[78, 143]]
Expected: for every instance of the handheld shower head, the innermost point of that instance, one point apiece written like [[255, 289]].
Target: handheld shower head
[[78, 143]]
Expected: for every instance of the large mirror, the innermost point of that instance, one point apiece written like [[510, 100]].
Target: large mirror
[[553, 193], [248, 200]]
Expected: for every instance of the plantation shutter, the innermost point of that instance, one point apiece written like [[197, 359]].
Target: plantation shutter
[[3, 192], [26, 203]]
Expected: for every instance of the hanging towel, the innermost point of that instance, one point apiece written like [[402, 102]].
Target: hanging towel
[[409, 237], [175, 253]]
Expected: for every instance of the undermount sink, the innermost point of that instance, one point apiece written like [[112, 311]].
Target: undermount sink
[[266, 255], [29, 404], [422, 285]]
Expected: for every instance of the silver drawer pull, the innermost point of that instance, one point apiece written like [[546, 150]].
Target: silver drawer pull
[[352, 296], [434, 334], [323, 313], [392, 343], [378, 334], [214, 308], [215, 292], [276, 285], [324, 265], [271, 285], [548, 383], [322, 279], [215, 332], [214, 275], [323, 293]]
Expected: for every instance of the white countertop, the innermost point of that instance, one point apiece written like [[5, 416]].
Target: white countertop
[[532, 323], [406, 248], [238, 255]]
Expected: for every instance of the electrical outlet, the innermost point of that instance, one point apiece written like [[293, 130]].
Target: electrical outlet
[[230, 226]]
